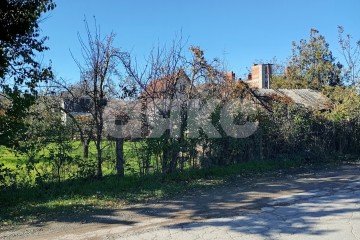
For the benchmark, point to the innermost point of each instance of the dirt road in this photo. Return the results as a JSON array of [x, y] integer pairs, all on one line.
[[323, 205]]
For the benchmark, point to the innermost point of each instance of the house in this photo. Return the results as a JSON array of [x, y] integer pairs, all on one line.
[[76, 107], [172, 86], [259, 83], [157, 98], [307, 98]]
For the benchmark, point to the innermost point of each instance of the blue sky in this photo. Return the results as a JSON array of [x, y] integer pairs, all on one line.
[[238, 31]]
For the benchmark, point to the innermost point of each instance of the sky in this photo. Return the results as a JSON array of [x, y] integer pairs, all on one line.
[[236, 31]]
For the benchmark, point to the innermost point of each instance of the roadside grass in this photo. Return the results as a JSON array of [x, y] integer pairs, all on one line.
[[15, 160], [72, 199]]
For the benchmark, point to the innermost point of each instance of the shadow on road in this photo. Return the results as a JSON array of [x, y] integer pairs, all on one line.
[[268, 207], [265, 207]]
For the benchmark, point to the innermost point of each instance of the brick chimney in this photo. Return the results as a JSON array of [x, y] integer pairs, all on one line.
[[230, 76], [260, 76]]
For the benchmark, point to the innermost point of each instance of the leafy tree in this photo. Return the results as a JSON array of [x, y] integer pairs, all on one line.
[[312, 63], [345, 118], [61, 147], [346, 101], [46, 138], [20, 72]]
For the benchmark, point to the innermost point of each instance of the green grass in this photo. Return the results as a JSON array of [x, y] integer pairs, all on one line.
[[15, 160], [75, 198], [10, 158]]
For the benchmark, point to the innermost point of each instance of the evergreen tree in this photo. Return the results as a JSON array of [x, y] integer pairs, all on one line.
[[312, 63]]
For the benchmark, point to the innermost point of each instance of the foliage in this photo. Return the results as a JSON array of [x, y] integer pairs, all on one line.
[[312, 64], [20, 72], [7, 176], [47, 141], [346, 102], [289, 135]]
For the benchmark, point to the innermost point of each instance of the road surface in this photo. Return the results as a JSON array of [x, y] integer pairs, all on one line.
[[323, 205]]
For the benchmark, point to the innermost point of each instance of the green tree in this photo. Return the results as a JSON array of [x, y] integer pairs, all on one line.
[[47, 138], [20, 72], [312, 63]]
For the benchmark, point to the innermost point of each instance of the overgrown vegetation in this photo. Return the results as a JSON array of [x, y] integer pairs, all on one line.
[[79, 197], [56, 155]]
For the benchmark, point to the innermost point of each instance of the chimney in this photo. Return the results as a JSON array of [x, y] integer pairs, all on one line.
[[260, 76], [230, 76]]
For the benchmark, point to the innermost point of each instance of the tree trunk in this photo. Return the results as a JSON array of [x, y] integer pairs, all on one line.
[[261, 146], [165, 160], [99, 173], [173, 160], [166, 153], [86, 149], [120, 157]]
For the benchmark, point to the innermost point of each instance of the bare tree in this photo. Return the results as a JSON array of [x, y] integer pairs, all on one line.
[[98, 68], [69, 99], [351, 54], [159, 80]]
